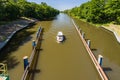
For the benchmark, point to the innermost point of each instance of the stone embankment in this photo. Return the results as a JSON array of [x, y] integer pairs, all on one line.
[[115, 29], [8, 30]]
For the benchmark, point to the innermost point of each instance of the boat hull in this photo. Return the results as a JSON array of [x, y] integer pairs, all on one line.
[[60, 37]]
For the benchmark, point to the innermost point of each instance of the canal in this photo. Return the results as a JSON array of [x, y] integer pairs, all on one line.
[[103, 42], [66, 61]]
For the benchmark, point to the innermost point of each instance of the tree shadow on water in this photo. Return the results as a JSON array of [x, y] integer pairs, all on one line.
[[11, 62], [19, 39], [106, 69]]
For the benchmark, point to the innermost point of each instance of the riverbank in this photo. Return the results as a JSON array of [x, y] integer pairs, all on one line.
[[115, 29], [98, 67], [8, 30], [103, 42]]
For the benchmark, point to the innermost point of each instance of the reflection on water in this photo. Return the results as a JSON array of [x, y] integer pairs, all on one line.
[[66, 61]]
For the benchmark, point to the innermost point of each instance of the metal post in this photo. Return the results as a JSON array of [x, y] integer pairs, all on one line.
[[37, 34], [83, 34], [39, 29], [33, 44], [88, 42], [80, 30], [100, 59], [26, 63]]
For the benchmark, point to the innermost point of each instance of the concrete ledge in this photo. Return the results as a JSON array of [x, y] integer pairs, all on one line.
[[115, 34], [2, 44]]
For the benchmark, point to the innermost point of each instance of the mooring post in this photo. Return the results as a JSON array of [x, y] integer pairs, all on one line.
[[79, 29], [37, 34], [83, 34], [33, 44], [88, 42], [26, 63], [100, 59], [39, 29]]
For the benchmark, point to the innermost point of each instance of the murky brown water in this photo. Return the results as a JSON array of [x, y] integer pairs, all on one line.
[[19, 47], [104, 43], [66, 61]]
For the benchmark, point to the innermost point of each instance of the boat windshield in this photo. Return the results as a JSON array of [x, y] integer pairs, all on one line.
[[60, 35]]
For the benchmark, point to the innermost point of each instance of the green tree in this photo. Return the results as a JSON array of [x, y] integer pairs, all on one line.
[[97, 11], [13, 9]]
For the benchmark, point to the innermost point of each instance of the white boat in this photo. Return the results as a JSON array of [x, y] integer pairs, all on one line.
[[60, 36]]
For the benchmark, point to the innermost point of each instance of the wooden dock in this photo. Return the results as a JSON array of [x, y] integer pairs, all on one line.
[[97, 66], [29, 70]]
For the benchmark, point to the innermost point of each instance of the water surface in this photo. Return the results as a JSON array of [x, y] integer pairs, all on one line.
[[103, 42], [66, 61]]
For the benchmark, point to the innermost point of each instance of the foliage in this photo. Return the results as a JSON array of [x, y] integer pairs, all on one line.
[[13, 9], [97, 11]]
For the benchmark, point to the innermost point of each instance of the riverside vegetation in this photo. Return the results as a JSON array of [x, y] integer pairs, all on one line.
[[14, 9], [98, 11]]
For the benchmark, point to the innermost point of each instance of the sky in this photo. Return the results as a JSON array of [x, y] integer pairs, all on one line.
[[61, 4]]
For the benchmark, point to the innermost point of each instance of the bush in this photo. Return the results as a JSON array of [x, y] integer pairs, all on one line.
[[118, 20]]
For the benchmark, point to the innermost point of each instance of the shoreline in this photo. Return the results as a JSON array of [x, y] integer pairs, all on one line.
[[109, 28], [7, 31], [94, 60], [117, 36]]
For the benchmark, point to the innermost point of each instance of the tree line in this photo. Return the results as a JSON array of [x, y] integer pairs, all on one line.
[[98, 11], [13, 9]]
